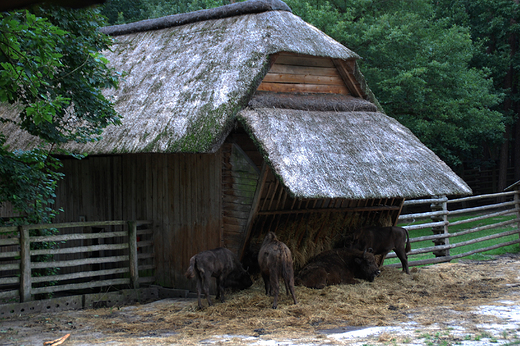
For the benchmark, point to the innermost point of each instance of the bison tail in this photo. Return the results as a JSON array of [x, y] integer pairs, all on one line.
[[408, 247], [190, 273]]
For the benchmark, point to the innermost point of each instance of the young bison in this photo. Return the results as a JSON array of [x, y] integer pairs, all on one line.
[[338, 266], [275, 261], [382, 240], [221, 264]]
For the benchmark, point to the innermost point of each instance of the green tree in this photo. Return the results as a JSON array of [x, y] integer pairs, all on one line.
[[128, 11], [51, 69], [495, 26], [419, 68]]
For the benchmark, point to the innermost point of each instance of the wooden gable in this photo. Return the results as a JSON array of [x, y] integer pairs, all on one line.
[[294, 73]]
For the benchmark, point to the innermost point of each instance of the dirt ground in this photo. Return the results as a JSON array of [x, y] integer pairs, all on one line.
[[466, 303]]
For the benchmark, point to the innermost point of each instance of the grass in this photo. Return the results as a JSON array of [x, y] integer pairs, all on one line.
[[515, 248]]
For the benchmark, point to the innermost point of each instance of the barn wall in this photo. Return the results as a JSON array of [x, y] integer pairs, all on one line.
[[239, 183], [180, 193]]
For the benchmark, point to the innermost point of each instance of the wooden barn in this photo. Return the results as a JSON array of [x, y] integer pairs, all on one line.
[[236, 121]]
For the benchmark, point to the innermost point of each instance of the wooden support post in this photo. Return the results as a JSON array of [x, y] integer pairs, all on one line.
[[25, 264], [254, 209], [517, 207], [132, 254], [441, 206]]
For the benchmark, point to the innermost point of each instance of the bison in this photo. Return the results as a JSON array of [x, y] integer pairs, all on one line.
[[338, 266], [275, 261], [221, 264], [382, 240]]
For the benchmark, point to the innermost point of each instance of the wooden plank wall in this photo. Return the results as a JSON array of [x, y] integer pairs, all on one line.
[[180, 193], [239, 181], [293, 73]]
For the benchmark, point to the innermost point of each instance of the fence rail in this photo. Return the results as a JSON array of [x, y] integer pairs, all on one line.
[[439, 219], [88, 254]]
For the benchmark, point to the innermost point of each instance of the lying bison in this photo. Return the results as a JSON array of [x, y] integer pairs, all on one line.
[[338, 266], [275, 262], [221, 264], [382, 240]]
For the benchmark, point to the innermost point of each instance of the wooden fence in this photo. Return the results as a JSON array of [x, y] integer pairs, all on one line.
[[89, 255], [442, 210]]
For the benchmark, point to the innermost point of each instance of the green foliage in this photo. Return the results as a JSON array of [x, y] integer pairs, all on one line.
[[52, 69], [128, 11], [51, 64], [418, 66], [495, 26], [29, 180]]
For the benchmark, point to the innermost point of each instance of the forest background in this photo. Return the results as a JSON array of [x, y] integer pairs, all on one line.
[[448, 70]]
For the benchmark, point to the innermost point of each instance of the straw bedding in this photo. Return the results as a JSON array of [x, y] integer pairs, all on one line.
[[424, 296]]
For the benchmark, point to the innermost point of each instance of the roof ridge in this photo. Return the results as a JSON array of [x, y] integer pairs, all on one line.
[[236, 9]]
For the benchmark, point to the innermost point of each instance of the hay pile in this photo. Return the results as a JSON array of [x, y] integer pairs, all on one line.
[[392, 297], [307, 235]]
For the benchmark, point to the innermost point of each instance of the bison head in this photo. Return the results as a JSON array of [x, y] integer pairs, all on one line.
[[367, 267], [238, 279]]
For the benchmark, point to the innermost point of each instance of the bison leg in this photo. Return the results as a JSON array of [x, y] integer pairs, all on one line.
[[267, 284], [289, 283], [206, 277], [274, 285], [381, 259], [199, 289], [220, 288], [403, 257]]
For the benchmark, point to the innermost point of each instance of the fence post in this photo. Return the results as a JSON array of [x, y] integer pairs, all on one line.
[[441, 206], [25, 264], [517, 206], [132, 253]]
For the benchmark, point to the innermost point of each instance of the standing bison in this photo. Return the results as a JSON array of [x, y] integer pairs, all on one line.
[[382, 240], [221, 264], [338, 266], [275, 261]]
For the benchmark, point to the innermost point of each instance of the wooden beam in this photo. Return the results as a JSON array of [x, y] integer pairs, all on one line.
[[396, 218], [328, 210], [293, 69], [304, 88], [302, 79], [254, 208], [346, 70], [132, 254], [25, 264], [289, 59]]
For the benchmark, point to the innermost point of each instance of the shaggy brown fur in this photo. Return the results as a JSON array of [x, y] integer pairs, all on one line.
[[382, 240], [338, 266], [221, 264], [275, 261]]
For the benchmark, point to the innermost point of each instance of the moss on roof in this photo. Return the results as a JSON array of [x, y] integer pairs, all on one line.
[[185, 84]]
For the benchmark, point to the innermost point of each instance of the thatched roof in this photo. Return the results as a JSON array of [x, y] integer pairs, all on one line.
[[186, 83], [357, 155], [236, 9], [188, 76]]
